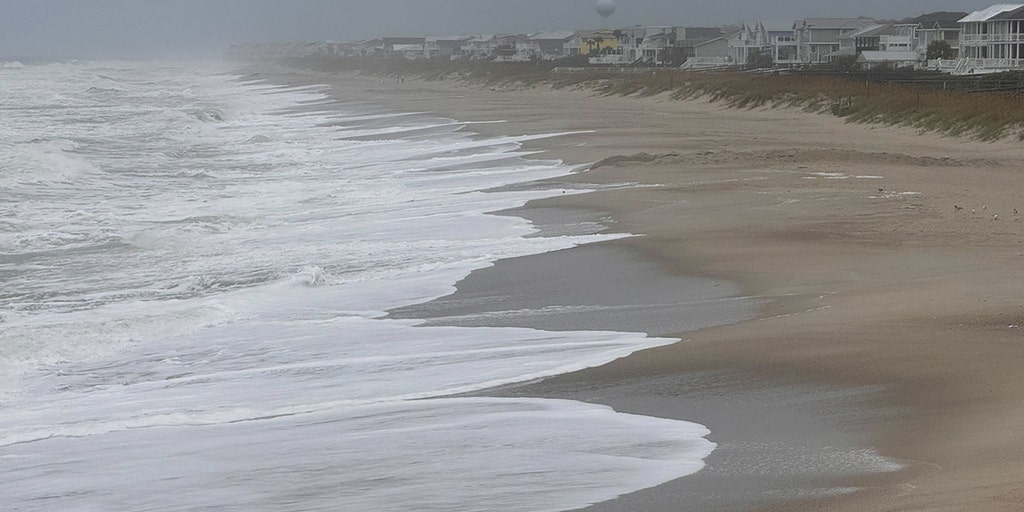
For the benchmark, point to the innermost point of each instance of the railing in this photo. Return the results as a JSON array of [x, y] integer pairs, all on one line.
[[609, 59], [967, 66], [991, 38]]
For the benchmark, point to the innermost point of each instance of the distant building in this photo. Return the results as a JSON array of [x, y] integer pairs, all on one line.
[[938, 26], [445, 47], [604, 46], [886, 38], [880, 44], [718, 48], [776, 39], [817, 39], [479, 46], [992, 39], [688, 39], [406, 47], [514, 48], [552, 45]]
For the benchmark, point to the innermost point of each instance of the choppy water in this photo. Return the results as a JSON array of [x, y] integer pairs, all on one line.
[[193, 275]]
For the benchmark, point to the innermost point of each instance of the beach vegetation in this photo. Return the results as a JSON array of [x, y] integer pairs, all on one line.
[[985, 108], [760, 59], [939, 49]]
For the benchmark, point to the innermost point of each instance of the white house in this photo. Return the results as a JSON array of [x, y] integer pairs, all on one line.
[[818, 38], [888, 43], [992, 40], [478, 47], [774, 38]]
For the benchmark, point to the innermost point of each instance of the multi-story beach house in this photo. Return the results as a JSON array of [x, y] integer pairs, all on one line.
[[992, 39], [407, 47], [603, 42], [444, 47], [513, 48], [817, 39], [876, 45], [938, 26], [479, 46], [776, 39], [890, 37], [687, 39], [552, 45]]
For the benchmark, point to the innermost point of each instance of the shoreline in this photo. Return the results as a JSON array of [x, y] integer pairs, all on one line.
[[877, 281]]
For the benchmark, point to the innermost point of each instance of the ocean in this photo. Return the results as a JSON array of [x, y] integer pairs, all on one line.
[[196, 271]]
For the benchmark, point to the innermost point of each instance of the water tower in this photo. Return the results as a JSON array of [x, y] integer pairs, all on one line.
[[605, 8]]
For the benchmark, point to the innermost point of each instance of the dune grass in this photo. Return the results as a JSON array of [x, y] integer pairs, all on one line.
[[987, 116]]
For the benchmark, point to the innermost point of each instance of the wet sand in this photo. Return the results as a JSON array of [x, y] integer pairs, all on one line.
[[888, 265]]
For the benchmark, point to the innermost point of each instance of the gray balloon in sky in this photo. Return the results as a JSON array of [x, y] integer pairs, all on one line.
[[605, 7]]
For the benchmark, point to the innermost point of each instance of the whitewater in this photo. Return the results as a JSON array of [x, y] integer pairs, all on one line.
[[195, 271]]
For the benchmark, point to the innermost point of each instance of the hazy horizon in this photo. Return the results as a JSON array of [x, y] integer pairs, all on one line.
[[196, 28]]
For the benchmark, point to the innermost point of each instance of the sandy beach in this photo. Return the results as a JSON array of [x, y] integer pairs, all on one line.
[[885, 265]]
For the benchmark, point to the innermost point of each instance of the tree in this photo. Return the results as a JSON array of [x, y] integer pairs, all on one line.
[[760, 59], [939, 49]]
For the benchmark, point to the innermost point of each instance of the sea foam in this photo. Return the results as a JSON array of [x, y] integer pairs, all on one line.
[[196, 274]]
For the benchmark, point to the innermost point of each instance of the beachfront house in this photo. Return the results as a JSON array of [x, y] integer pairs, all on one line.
[[515, 48], [552, 45], [892, 45], [938, 26], [992, 40], [715, 48], [405, 47], [480, 46], [762, 39], [713, 54], [445, 47], [655, 48], [749, 41], [688, 39], [817, 39], [602, 46], [889, 37]]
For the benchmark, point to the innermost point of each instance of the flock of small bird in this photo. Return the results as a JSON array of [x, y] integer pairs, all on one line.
[[956, 207], [995, 216]]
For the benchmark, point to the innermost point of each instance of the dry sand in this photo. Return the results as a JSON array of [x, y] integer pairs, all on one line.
[[890, 260]]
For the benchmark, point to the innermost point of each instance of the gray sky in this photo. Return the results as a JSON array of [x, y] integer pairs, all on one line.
[[182, 28]]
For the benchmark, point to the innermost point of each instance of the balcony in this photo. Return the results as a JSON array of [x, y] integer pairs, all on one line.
[[980, 39]]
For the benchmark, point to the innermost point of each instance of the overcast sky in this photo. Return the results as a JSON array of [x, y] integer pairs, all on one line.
[[182, 28]]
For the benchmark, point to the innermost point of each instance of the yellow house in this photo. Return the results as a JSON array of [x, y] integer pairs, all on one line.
[[596, 42]]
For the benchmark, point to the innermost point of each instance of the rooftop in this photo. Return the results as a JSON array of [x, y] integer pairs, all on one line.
[[940, 19], [834, 23], [556, 35], [1015, 14], [990, 12]]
